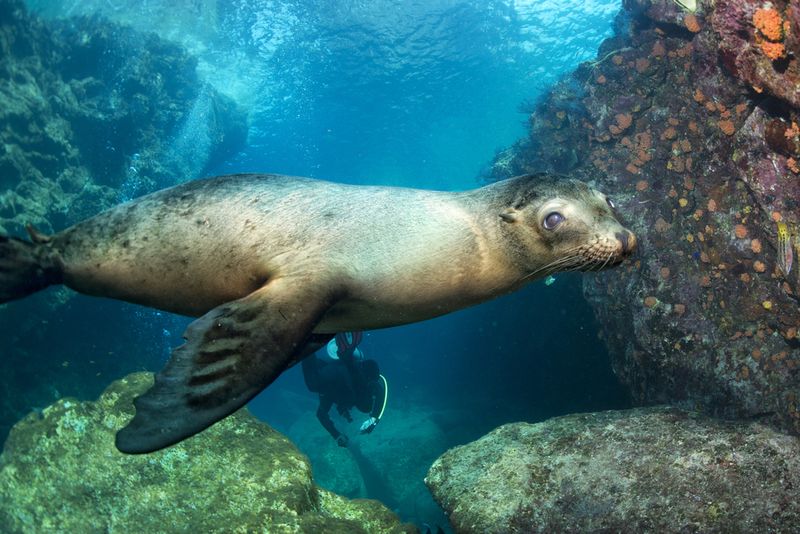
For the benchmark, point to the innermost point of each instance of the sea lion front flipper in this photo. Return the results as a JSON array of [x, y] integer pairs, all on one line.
[[231, 353]]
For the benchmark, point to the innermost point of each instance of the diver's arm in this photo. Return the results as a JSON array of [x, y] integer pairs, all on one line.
[[325, 404]]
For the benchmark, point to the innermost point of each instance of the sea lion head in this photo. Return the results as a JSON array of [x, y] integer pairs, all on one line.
[[560, 224]]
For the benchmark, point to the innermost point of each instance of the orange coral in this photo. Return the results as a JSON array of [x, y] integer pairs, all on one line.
[[624, 121], [792, 131], [769, 26], [691, 23], [699, 97], [774, 51], [770, 23], [644, 140], [727, 127]]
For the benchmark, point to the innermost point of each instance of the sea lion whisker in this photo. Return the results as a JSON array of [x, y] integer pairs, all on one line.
[[545, 268], [608, 259]]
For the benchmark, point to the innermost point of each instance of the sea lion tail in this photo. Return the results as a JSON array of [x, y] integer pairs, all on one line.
[[27, 266]]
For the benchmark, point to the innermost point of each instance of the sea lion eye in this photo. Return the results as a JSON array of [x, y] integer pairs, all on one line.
[[552, 220], [611, 203]]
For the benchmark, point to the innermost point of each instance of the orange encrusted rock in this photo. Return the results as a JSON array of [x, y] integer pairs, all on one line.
[[769, 23], [691, 23], [774, 51], [727, 127]]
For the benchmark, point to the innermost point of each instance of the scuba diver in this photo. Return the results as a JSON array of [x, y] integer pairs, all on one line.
[[346, 379]]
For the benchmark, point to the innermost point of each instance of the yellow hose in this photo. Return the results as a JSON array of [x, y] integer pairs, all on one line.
[[385, 395]]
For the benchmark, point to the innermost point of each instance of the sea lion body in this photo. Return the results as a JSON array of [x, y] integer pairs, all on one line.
[[273, 266], [389, 250]]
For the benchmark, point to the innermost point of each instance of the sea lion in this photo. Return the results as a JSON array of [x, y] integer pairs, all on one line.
[[273, 266]]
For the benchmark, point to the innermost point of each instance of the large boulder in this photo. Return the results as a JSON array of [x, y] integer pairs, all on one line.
[[61, 472], [694, 129], [644, 470]]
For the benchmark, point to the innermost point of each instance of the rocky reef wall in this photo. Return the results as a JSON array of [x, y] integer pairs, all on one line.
[[91, 113], [60, 472], [690, 120]]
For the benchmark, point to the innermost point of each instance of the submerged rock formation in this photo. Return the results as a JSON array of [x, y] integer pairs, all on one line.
[[61, 472], [690, 121], [93, 113], [644, 470]]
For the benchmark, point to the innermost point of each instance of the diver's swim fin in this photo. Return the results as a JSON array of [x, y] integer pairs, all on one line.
[[230, 355]]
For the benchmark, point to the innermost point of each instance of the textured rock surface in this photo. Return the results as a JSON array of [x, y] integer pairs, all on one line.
[[694, 131], [91, 107], [643, 470], [60, 472]]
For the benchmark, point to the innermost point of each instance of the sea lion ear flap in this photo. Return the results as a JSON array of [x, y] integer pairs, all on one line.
[[509, 215]]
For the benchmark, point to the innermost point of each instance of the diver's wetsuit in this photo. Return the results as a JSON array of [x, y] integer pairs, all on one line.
[[344, 384]]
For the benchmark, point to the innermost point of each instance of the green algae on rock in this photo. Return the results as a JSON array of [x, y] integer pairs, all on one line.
[[60, 472], [644, 470]]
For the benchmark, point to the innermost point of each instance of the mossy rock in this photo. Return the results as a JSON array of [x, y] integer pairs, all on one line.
[[60, 472], [644, 470]]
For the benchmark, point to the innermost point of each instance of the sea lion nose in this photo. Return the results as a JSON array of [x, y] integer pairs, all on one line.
[[627, 240]]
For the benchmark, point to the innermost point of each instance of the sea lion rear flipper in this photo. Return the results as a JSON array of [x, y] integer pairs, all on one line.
[[231, 353]]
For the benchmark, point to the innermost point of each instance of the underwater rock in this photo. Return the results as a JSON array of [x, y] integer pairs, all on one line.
[[701, 156], [61, 472], [760, 45], [643, 470], [94, 112]]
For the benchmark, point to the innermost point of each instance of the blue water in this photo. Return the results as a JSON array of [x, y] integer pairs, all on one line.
[[412, 93]]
